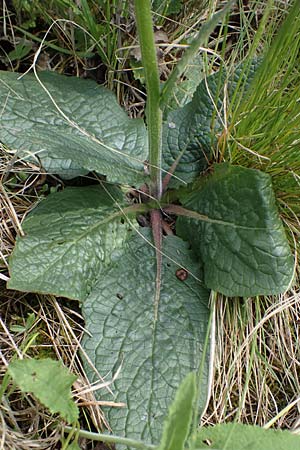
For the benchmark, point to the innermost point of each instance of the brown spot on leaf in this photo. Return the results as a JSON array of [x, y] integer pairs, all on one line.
[[181, 274]]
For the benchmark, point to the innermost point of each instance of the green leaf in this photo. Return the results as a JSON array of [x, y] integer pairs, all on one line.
[[49, 381], [184, 89], [77, 243], [68, 238], [90, 132], [240, 84], [20, 51], [246, 437], [153, 344], [167, 7], [178, 422], [240, 239], [191, 51], [243, 76], [192, 128], [188, 130], [73, 446]]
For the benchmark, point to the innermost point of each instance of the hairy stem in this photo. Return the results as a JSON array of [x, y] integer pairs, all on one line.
[[110, 438], [153, 111]]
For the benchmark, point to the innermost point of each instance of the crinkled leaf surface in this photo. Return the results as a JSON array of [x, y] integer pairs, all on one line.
[[49, 381], [155, 344], [68, 238], [246, 437], [77, 245], [189, 130], [91, 132], [178, 422], [241, 241], [240, 80], [184, 89]]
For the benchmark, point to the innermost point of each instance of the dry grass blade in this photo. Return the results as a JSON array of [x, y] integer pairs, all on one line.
[[257, 370]]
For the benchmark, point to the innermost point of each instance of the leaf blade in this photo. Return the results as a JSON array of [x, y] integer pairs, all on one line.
[[154, 355], [50, 382], [188, 130], [242, 243], [246, 437], [80, 128], [68, 238]]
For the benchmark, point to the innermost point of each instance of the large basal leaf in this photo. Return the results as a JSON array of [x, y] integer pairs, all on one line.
[[189, 130], [241, 241], [245, 437], [90, 133], [77, 243], [68, 238], [154, 345], [50, 382]]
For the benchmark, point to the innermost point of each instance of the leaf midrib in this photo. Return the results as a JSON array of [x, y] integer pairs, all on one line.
[[72, 243], [82, 132], [190, 214]]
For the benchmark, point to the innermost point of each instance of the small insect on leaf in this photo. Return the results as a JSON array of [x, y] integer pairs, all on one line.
[[181, 274]]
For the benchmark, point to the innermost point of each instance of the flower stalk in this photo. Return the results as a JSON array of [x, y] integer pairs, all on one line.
[[153, 111]]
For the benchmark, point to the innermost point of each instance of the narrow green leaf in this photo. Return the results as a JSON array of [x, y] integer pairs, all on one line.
[[245, 437], [68, 238], [206, 29], [178, 422], [155, 345], [81, 129], [50, 382], [73, 446], [240, 81], [167, 7], [240, 240], [20, 51]]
